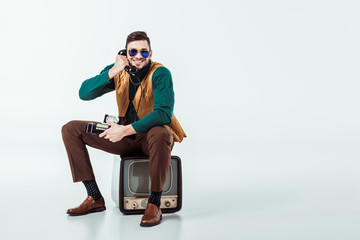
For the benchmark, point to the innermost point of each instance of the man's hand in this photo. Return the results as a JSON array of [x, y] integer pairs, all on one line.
[[117, 132], [120, 63]]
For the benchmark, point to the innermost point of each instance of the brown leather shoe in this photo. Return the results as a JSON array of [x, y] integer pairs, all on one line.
[[152, 216], [88, 206]]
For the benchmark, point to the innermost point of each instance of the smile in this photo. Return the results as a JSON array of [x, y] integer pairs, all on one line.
[[139, 61]]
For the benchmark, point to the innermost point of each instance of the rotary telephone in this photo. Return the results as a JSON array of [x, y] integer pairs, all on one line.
[[130, 69]]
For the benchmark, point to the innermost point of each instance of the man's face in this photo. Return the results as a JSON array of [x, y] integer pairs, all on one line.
[[138, 60]]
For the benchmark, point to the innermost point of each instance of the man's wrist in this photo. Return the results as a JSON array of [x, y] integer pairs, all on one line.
[[129, 130], [111, 73]]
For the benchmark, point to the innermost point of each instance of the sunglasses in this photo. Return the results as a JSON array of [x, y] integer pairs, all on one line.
[[144, 53]]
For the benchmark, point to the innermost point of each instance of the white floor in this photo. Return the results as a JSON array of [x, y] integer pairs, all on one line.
[[279, 197]]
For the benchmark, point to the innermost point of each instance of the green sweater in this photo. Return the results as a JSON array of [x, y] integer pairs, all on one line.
[[162, 90]]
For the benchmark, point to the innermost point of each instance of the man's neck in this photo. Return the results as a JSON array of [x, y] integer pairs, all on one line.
[[142, 72]]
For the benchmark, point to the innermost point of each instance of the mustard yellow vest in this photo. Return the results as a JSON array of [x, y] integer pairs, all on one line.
[[146, 106]]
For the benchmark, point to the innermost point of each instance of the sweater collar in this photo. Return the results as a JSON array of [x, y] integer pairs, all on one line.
[[142, 72]]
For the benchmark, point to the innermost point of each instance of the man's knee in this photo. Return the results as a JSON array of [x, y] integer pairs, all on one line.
[[160, 134], [69, 128]]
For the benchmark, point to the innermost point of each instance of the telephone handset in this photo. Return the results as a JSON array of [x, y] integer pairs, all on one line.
[[130, 69]]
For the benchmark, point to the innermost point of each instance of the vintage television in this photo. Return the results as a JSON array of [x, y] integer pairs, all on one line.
[[131, 185]]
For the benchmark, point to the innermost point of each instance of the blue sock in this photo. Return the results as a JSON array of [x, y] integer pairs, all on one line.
[[155, 198], [92, 189]]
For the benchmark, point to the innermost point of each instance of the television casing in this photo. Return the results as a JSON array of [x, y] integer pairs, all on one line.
[[131, 185]]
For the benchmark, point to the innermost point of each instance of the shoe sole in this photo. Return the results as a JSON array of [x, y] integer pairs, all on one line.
[[99, 209], [151, 224]]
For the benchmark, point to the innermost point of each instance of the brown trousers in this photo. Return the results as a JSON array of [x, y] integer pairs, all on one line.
[[157, 143]]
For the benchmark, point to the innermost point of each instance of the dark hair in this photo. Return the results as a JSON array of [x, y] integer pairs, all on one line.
[[136, 36]]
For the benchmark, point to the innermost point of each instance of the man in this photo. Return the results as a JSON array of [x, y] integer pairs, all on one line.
[[146, 101]]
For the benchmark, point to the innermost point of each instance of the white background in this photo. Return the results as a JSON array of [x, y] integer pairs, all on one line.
[[267, 92]]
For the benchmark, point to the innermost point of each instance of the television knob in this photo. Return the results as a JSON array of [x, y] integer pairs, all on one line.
[[134, 204], [167, 204]]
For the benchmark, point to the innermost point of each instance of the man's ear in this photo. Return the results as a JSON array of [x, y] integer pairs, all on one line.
[[150, 54]]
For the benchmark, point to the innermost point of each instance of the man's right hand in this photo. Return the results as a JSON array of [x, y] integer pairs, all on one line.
[[120, 63]]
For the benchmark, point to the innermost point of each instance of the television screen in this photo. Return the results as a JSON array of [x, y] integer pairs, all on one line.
[[139, 178]]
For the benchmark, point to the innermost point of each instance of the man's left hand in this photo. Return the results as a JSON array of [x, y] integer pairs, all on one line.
[[117, 132]]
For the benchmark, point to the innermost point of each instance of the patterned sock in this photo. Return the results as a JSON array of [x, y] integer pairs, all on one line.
[[92, 189], [155, 198]]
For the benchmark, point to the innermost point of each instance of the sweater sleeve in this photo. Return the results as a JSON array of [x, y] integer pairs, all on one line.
[[163, 102], [97, 86]]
